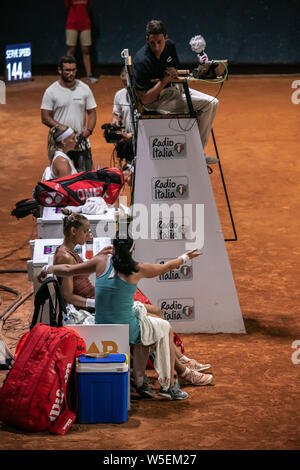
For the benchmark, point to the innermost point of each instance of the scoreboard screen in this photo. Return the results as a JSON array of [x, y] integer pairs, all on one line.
[[18, 62]]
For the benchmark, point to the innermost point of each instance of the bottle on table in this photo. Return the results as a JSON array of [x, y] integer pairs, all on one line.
[[89, 248]]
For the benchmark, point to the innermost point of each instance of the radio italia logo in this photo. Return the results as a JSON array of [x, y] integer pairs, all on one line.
[[172, 229], [178, 309], [167, 147], [171, 187], [183, 273]]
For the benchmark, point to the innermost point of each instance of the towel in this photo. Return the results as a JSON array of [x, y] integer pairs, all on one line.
[[78, 317], [94, 205], [156, 330]]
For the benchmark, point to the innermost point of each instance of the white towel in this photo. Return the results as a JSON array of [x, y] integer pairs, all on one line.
[[94, 205], [156, 330], [78, 317]]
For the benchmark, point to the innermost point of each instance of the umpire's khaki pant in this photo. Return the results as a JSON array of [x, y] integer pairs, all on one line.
[[172, 100]]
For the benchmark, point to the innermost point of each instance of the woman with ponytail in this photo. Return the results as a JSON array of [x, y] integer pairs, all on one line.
[[77, 290], [61, 140], [116, 284]]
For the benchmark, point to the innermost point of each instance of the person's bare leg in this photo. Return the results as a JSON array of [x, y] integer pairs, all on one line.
[[172, 357], [179, 367], [140, 358], [86, 60], [71, 50], [178, 353], [154, 310]]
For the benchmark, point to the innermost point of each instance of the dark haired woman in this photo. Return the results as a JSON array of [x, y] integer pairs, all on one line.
[[78, 290], [116, 283]]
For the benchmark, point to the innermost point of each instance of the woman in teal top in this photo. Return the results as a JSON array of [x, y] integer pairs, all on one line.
[[114, 302], [116, 283]]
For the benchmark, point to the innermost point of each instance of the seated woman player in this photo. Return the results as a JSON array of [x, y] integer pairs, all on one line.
[[61, 140], [78, 290], [116, 284]]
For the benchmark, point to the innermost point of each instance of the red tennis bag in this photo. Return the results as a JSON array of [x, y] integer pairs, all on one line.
[[74, 190], [139, 296], [39, 391]]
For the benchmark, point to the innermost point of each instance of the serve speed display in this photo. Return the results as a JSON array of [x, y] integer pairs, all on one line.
[[18, 62]]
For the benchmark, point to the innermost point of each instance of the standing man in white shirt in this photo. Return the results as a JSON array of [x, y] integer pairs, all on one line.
[[70, 102]]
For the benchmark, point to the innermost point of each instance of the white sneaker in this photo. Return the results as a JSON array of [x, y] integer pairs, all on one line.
[[195, 365], [92, 79], [210, 160], [195, 378]]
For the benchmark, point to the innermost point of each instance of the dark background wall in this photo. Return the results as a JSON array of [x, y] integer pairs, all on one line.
[[256, 32]]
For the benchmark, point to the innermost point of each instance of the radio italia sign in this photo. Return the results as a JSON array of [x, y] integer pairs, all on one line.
[[166, 229], [183, 273], [170, 188], [167, 147], [177, 309]]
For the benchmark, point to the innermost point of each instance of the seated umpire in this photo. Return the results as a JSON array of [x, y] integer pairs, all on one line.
[[158, 59]]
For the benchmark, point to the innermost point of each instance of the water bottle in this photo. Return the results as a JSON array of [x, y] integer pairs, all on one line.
[[89, 252], [66, 320]]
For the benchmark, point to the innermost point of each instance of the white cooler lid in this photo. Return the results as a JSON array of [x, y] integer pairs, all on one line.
[[101, 367]]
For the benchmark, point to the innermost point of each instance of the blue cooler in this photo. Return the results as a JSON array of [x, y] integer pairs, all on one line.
[[102, 389]]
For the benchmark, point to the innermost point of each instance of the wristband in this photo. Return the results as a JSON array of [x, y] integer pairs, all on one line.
[[90, 303], [45, 268], [185, 258]]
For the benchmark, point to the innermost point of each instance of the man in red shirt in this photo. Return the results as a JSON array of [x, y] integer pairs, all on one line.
[[79, 24]]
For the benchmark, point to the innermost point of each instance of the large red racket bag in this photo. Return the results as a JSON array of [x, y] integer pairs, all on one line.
[[74, 190], [39, 392]]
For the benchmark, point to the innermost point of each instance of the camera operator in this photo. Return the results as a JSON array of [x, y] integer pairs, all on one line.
[[121, 109], [158, 59], [121, 117], [116, 135]]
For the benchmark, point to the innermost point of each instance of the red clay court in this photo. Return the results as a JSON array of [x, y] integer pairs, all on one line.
[[254, 400]]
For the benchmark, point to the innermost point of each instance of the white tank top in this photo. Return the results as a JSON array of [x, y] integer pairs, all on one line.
[[49, 174]]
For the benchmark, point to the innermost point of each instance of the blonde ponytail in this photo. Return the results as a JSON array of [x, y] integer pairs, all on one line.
[[71, 219], [54, 133]]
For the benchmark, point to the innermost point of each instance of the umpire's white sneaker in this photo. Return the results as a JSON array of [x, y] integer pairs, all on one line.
[[210, 160]]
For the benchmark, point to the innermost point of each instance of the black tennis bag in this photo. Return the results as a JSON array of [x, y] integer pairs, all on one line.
[[49, 304], [26, 207]]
